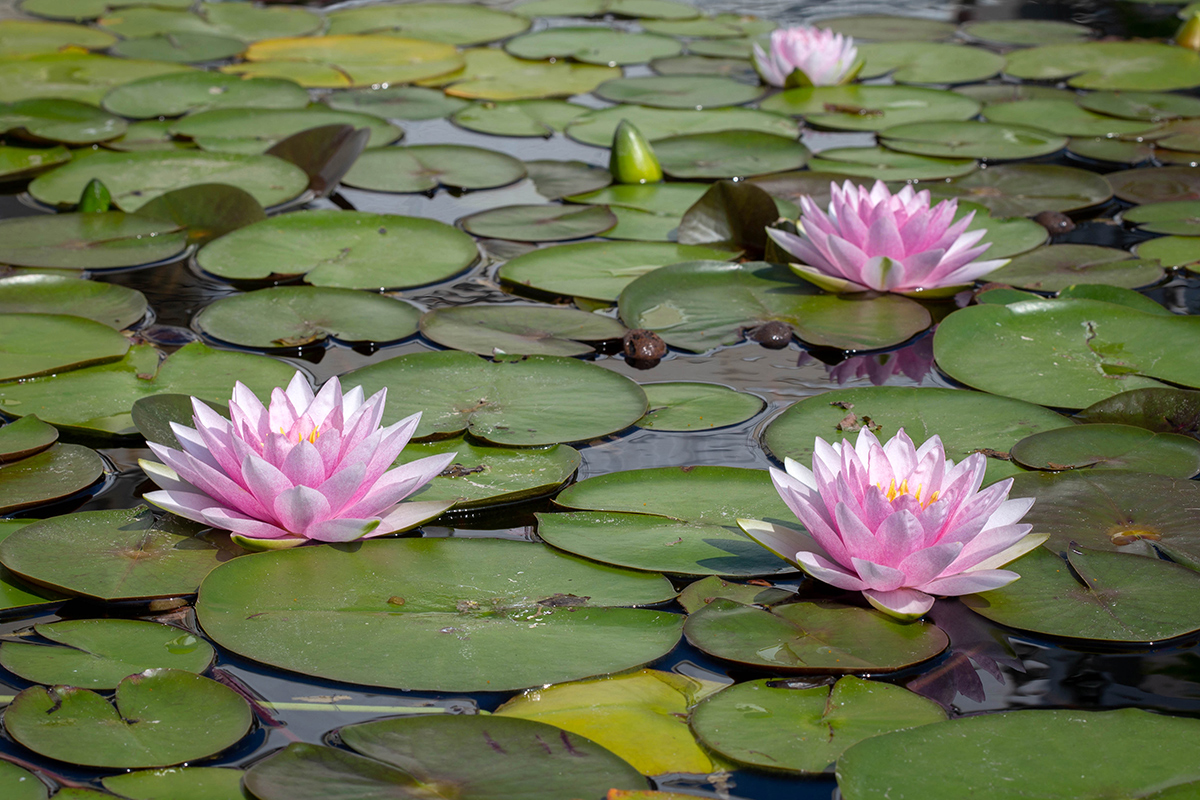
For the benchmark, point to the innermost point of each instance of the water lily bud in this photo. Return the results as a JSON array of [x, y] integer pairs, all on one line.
[[1189, 33], [633, 159], [807, 56], [95, 198]]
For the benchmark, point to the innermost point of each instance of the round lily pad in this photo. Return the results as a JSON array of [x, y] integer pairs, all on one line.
[[593, 45], [37, 344], [888, 165], [25, 437], [721, 48], [698, 594], [699, 305], [1066, 353], [1114, 150], [471, 757], [424, 603], [24, 162], [1165, 410], [182, 48], [73, 75], [421, 168], [870, 108], [136, 178], [161, 717], [1027, 189], [642, 9], [519, 329], [524, 401], [148, 135], [1055, 267], [643, 226], [1078, 754], [729, 154], [556, 179], [348, 60], [925, 62], [1172, 251], [255, 130], [518, 117], [1063, 117], [995, 93], [737, 68], [1146, 106], [966, 422], [744, 722], [597, 127], [716, 26], [187, 783], [434, 22], [1179, 217], [294, 316], [20, 38], [44, 477], [88, 241], [690, 406], [243, 21], [1157, 185], [492, 74], [548, 223], [1140, 66], [16, 593], [1007, 236], [21, 784], [396, 102], [987, 140], [64, 121], [679, 91], [1027, 32], [1109, 446], [341, 249], [887, 28], [821, 637], [100, 653], [116, 306]]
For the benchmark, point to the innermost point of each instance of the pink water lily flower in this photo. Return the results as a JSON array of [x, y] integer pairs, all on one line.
[[898, 523], [876, 240], [307, 468], [807, 56]]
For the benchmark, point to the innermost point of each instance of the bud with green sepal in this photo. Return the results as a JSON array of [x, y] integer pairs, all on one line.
[[633, 159], [95, 198]]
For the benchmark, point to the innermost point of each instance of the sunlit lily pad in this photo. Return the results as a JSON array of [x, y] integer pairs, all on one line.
[[492, 74], [421, 168], [52, 474], [1145, 66], [593, 45], [597, 126], [1155, 185], [689, 406], [434, 22], [820, 637], [647, 9], [148, 135], [539, 223], [1163, 410], [698, 594], [1089, 594], [1027, 189], [699, 305], [57, 120], [1109, 446], [424, 602], [88, 241], [254, 130], [81, 10], [737, 68], [1007, 236], [1172, 251], [136, 178], [519, 329], [729, 154], [187, 783], [1052, 268], [396, 102], [162, 717], [888, 165], [116, 306], [1067, 353], [988, 140], [966, 422], [182, 48], [1027, 32], [25, 437], [679, 91], [715, 27], [771, 725], [870, 108], [886, 28], [722, 48], [924, 62], [1147, 106], [243, 21], [16, 593], [75, 76], [24, 162], [349, 60], [524, 401], [1078, 754], [21, 38], [293, 316], [342, 249], [519, 117], [557, 179], [100, 653], [37, 344], [470, 757], [1063, 117], [643, 226]]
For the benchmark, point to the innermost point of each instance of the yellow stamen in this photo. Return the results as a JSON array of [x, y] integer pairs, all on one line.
[[894, 491]]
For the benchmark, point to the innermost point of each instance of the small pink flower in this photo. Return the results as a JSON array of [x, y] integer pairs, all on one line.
[[898, 523], [876, 240], [306, 468], [807, 56]]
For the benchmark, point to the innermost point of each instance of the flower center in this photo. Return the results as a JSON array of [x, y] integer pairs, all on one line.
[[894, 491]]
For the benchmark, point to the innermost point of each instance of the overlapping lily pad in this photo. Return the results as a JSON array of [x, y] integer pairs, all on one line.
[[243, 21], [1027, 189], [88, 241], [987, 140], [1007, 236], [37, 344], [16, 593], [539, 223], [888, 165], [44, 477], [887, 28], [183, 48], [518, 117], [348, 60], [1027, 32], [1146, 106], [689, 406], [1067, 353], [593, 45], [23, 162], [421, 168], [21, 38], [396, 102], [924, 62], [729, 154], [1110, 446], [679, 91], [524, 401], [642, 9], [1065, 118], [519, 329], [557, 179], [1179, 217], [529, 616], [1156, 185], [1164, 410], [116, 306], [434, 22], [1140, 66], [342, 249], [870, 108], [56, 120], [738, 68], [243, 130], [186, 783], [597, 127], [1053, 268], [25, 437], [492, 74], [75, 76], [21, 784]]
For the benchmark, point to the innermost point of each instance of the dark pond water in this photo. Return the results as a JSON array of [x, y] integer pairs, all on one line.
[[1029, 672]]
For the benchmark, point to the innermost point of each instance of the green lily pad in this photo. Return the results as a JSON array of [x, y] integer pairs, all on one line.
[[1027, 189], [25, 162], [148, 135], [1008, 236], [643, 226], [206, 210], [1139, 66], [396, 102], [519, 329], [690, 406], [1109, 446], [182, 48], [597, 126], [342, 249], [642, 9], [1162, 410], [593, 45], [16, 593], [679, 91], [1094, 595], [924, 62], [1027, 32], [134, 179], [987, 140], [37, 344], [74, 76], [887, 28], [20, 38], [21, 784], [102, 240], [420, 168], [112, 555], [1179, 217], [1066, 353], [557, 179], [821, 637], [1157, 185], [722, 48], [539, 223], [1063, 117], [711, 303], [423, 603], [1110, 294], [870, 108], [495, 400], [729, 154], [184, 92], [100, 653], [81, 10], [727, 67], [98, 399], [255, 130], [596, 270], [25, 437], [743, 722], [153, 416], [434, 22], [294, 316], [350, 60], [470, 757], [482, 476], [716, 27], [1172, 251], [244, 21], [888, 165], [62, 121], [698, 594], [966, 422], [995, 93], [162, 717], [1113, 150], [116, 306], [673, 198], [1079, 754], [188, 783], [492, 74], [1146, 106], [518, 117], [1055, 267], [52, 474]]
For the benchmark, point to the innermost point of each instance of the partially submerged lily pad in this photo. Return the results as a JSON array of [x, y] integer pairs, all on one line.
[[420, 168], [1157, 185], [519, 329], [1163, 410], [557, 179], [1027, 32], [492, 74], [1110, 446], [1178, 217], [641, 9]]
